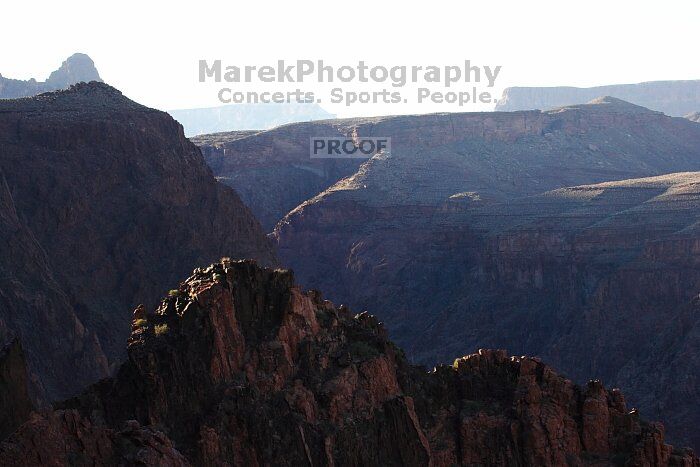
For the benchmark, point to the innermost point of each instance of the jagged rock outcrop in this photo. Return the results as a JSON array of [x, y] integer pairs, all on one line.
[[675, 98], [103, 202], [15, 403], [239, 367], [75, 69]]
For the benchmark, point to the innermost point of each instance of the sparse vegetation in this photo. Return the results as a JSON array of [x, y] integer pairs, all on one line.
[[161, 329], [139, 323], [174, 293]]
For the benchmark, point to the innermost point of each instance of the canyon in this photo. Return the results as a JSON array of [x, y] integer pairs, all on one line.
[[569, 234], [238, 366]]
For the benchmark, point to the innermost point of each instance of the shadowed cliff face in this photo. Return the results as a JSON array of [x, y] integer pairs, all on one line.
[[75, 69], [239, 367], [64, 355], [104, 203], [451, 241], [15, 404]]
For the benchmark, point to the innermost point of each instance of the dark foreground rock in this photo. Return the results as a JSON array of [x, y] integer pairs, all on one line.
[[239, 367]]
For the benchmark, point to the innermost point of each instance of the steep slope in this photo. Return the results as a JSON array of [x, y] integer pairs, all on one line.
[[105, 202], [239, 367], [75, 69], [675, 98]]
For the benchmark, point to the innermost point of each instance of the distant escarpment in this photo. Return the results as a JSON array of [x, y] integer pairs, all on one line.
[[76, 69], [103, 202], [497, 154], [675, 98], [246, 117], [237, 366], [466, 235]]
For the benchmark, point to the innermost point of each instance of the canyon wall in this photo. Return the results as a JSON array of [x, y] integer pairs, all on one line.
[[96, 191]]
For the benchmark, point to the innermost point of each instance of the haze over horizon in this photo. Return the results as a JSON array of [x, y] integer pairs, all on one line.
[[155, 59]]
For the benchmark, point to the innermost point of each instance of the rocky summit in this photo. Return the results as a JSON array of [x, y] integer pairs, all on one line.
[[103, 203], [238, 366], [75, 69], [547, 233]]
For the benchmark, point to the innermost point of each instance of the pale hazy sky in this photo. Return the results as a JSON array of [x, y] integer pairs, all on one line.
[[150, 49]]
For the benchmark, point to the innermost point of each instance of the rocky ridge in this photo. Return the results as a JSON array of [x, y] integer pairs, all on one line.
[[239, 367]]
